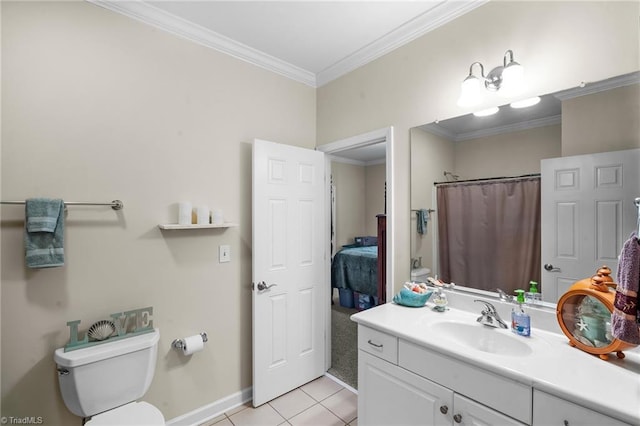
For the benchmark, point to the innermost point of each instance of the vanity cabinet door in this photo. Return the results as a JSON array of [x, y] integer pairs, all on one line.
[[469, 413], [549, 410], [390, 395]]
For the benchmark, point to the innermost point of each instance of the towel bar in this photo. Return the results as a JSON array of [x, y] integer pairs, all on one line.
[[115, 204]]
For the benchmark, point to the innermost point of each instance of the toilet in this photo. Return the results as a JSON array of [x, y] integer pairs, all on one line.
[[102, 383], [420, 275]]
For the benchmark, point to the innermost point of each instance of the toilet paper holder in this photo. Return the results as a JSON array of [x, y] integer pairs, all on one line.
[[179, 343]]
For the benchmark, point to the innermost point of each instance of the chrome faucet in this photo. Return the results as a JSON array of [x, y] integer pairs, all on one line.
[[505, 297], [489, 316]]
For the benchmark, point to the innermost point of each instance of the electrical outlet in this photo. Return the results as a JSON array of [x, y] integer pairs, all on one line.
[[224, 253]]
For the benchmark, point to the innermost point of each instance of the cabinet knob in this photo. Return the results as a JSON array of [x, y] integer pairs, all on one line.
[[457, 418], [566, 423], [444, 409]]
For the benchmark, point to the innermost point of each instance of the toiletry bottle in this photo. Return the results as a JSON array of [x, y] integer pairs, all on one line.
[[533, 297], [520, 320]]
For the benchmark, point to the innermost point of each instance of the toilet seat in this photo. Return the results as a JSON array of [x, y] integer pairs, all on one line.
[[133, 413]]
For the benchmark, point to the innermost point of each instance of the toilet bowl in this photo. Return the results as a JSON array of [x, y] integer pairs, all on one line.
[[102, 383]]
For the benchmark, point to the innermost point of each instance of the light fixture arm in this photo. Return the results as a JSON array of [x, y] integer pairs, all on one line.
[[481, 69], [504, 58]]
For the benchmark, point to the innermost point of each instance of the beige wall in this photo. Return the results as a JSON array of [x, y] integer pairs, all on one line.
[[359, 198], [419, 82], [349, 181], [605, 121], [375, 177], [97, 106], [508, 154]]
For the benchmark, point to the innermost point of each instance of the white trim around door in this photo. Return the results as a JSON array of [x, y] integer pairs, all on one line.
[[374, 137]]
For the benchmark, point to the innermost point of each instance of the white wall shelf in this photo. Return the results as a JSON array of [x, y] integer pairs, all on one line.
[[175, 226]]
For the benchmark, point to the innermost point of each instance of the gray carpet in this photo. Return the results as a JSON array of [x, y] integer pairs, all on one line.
[[344, 345]]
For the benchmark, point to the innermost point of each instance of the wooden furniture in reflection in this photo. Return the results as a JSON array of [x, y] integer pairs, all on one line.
[[382, 258]]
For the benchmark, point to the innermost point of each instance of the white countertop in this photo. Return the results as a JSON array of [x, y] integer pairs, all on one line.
[[611, 387]]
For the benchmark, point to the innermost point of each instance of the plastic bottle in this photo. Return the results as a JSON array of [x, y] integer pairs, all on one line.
[[533, 297], [520, 320]]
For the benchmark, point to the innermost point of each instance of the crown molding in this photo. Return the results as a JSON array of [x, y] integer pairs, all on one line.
[[600, 86], [516, 127], [429, 21], [165, 21], [151, 15], [438, 131], [483, 133]]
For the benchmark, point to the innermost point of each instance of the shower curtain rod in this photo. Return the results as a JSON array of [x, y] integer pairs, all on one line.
[[489, 179], [115, 204]]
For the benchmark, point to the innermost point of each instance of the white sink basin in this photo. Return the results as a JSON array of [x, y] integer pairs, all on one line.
[[481, 337]]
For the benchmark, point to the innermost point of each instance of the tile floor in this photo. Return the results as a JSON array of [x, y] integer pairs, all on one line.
[[322, 402]]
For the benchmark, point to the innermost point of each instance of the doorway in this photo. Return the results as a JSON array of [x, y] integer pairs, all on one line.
[[373, 149]]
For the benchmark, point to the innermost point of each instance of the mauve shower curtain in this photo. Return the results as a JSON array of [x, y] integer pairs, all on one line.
[[489, 233]]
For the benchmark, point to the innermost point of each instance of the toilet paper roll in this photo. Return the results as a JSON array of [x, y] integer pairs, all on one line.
[[192, 344], [184, 213]]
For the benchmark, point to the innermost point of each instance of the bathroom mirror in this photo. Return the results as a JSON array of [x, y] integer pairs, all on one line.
[[512, 143]]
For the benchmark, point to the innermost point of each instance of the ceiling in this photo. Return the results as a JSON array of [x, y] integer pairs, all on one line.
[[313, 42]]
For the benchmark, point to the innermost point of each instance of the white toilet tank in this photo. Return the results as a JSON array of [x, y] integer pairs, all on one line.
[[108, 375]]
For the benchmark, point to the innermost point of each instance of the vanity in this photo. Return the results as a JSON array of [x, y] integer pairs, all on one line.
[[417, 366]]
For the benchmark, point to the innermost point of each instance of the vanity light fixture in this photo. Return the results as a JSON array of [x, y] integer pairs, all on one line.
[[506, 79], [526, 102]]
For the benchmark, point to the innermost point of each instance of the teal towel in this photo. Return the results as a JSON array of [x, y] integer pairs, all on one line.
[[44, 233], [422, 219]]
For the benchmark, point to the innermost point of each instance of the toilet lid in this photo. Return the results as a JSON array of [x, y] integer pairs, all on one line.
[[134, 414]]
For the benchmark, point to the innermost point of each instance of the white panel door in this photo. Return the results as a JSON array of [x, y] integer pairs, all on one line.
[[289, 293], [587, 214]]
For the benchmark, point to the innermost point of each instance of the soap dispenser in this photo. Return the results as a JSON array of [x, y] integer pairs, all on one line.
[[533, 296], [520, 320]]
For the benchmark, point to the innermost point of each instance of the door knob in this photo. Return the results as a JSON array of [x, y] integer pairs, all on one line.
[[549, 267], [263, 286]]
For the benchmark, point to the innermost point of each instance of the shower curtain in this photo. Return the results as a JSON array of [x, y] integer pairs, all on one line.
[[489, 233]]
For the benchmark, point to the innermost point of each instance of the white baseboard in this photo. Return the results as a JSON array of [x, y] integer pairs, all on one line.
[[213, 410], [221, 406]]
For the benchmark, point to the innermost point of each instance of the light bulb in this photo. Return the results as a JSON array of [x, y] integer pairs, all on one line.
[[486, 112], [470, 91], [512, 79], [526, 102]]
